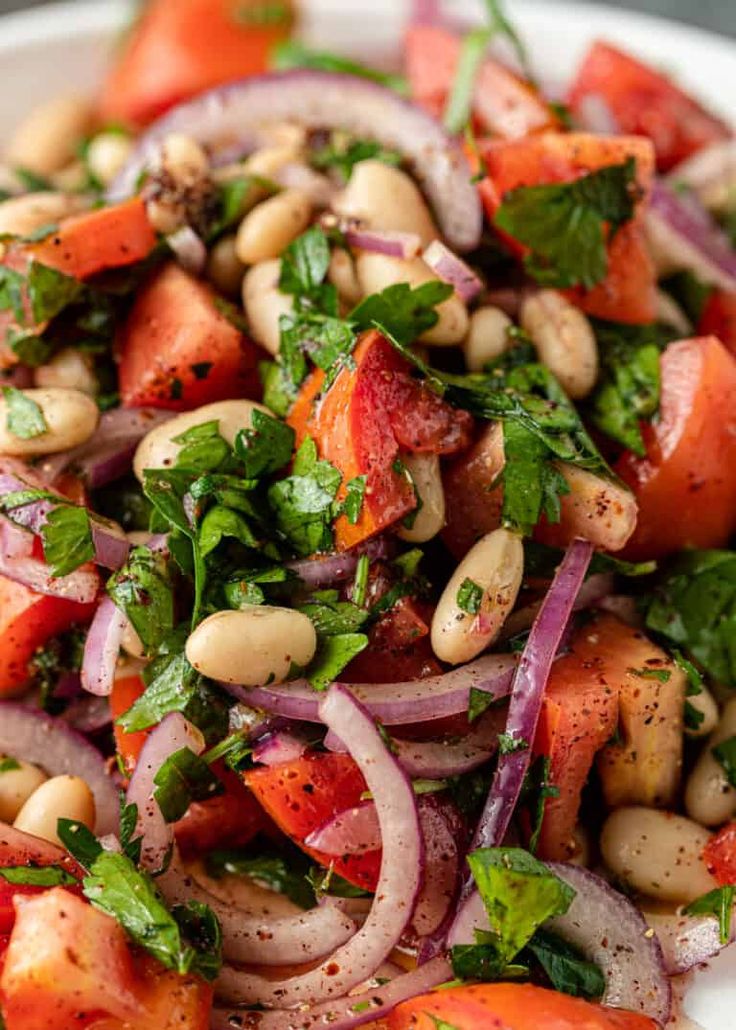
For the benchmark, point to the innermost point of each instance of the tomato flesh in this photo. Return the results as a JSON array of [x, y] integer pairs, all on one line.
[[719, 318], [720, 855]]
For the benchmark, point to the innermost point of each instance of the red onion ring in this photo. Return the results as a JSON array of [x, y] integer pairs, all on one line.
[[453, 270], [398, 885], [18, 564], [279, 746], [39, 738], [392, 244], [102, 647], [349, 1012], [336, 568], [88, 714], [188, 249], [323, 100], [171, 735], [687, 941], [710, 172], [393, 704], [527, 692]]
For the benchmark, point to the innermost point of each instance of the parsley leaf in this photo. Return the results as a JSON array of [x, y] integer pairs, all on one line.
[[469, 597], [568, 971], [8, 764], [265, 447], [269, 870], [333, 654], [24, 418], [536, 791], [35, 876], [460, 100], [144, 591], [343, 153], [67, 539], [718, 903], [402, 311], [292, 54], [353, 503], [567, 225], [304, 501], [183, 778]]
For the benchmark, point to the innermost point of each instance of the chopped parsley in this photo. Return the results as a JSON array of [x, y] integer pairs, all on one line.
[[343, 153], [565, 967], [183, 778], [24, 417], [143, 589], [37, 876], [469, 597], [460, 101], [718, 903], [8, 764], [67, 539]]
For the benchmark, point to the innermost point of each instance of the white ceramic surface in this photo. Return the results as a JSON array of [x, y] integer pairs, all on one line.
[[65, 47]]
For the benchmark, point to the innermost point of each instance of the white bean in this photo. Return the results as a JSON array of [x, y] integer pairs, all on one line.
[[377, 271], [270, 227], [224, 269], [705, 705], [488, 337], [62, 797], [657, 853], [382, 197], [47, 138], [597, 509], [429, 520], [181, 183], [69, 369], [16, 786], [23, 215], [343, 276], [71, 418], [564, 340], [496, 565], [264, 304], [158, 448], [709, 797], [106, 155], [257, 644], [183, 159], [268, 162]]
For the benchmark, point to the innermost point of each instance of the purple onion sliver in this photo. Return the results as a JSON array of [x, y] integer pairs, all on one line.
[[102, 647], [88, 714], [393, 244], [18, 564], [188, 249], [278, 747], [112, 547], [453, 270], [686, 941]]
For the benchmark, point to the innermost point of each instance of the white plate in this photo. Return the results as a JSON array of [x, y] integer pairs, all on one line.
[[65, 46]]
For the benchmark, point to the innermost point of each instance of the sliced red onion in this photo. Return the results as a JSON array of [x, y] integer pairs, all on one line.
[[323, 100], [710, 173], [88, 714], [171, 735], [328, 569], [261, 937], [18, 564], [102, 647], [686, 941], [112, 547], [352, 832], [351, 1011], [392, 244], [188, 249], [684, 236], [453, 270], [49, 742], [279, 746], [527, 693], [399, 882], [393, 704]]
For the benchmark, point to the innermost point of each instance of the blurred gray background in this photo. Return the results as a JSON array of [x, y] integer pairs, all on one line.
[[717, 15]]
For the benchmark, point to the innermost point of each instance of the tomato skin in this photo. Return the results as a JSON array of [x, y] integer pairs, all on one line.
[[369, 413], [229, 820], [176, 50], [19, 849], [719, 318], [554, 157], [644, 102], [125, 692], [27, 621], [511, 1006], [302, 795], [169, 1001], [177, 351], [720, 855], [504, 105], [686, 485]]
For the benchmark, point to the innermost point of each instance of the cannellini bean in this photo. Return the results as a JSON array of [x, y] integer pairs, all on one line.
[[69, 369], [382, 197], [597, 509], [62, 797], [257, 644], [23, 215], [224, 269], [377, 271], [264, 304], [180, 184], [488, 337], [496, 565], [709, 797], [343, 276], [183, 159], [158, 448], [705, 704], [564, 340], [16, 786], [270, 227], [47, 138], [429, 520], [106, 155], [268, 162], [71, 418], [657, 853]]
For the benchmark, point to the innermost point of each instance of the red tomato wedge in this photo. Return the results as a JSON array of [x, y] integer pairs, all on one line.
[[168, 1001], [125, 692], [301, 796], [19, 849], [505, 105], [27, 621], [554, 157], [179, 351], [686, 485], [373, 410], [510, 1006], [720, 855], [643, 101], [719, 318], [229, 820], [178, 49]]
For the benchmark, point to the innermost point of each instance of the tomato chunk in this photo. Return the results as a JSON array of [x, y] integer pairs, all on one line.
[[504, 105], [27, 621], [645, 102], [720, 855], [176, 50], [511, 1006], [302, 795], [168, 1001], [554, 157], [371, 412], [125, 692], [686, 485], [178, 351], [229, 820], [20, 849], [719, 318]]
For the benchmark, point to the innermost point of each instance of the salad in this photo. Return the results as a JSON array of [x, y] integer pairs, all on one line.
[[367, 485]]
